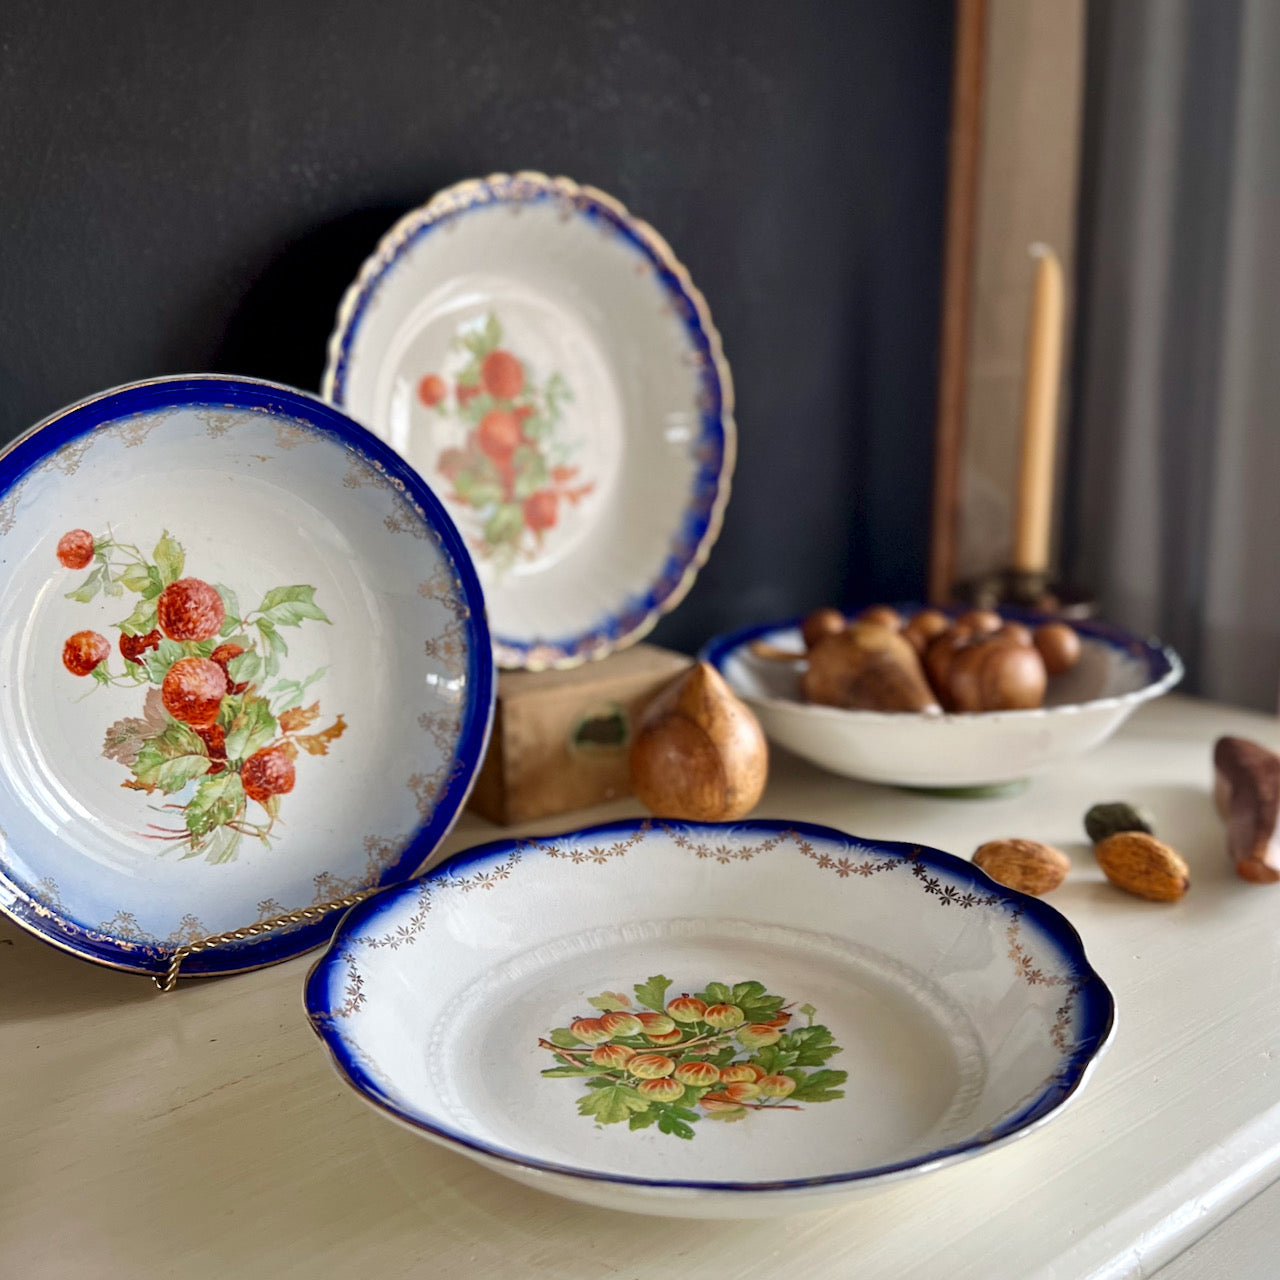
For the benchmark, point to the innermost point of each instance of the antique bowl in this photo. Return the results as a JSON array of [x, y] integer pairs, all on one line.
[[1116, 673], [246, 671], [543, 359], [710, 1020]]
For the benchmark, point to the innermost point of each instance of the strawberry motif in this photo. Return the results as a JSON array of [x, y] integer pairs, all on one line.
[[190, 609], [193, 690], [75, 549], [267, 773], [84, 651]]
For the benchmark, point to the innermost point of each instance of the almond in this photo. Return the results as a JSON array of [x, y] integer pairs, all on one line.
[[1139, 863], [1023, 865]]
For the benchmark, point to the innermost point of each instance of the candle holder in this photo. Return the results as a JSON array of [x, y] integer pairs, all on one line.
[[1027, 590]]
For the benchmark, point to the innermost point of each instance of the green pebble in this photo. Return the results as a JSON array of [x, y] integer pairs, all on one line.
[[1105, 820]]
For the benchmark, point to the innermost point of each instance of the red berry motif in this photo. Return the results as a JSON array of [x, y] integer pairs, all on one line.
[[741, 1072], [540, 510], [193, 690], [266, 774], [504, 451], [75, 549], [502, 375], [499, 434], [222, 655], [431, 390], [84, 651], [134, 647], [202, 745], [190, 609]]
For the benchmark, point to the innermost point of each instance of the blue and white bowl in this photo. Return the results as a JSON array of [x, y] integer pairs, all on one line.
[[544, 360], [1117, 672], [246, 671], [710, 1020]]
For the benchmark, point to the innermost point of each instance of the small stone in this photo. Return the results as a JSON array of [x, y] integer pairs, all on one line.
[[1105, 820]]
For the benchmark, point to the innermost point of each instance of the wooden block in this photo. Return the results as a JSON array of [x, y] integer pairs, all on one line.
[[560, 738]]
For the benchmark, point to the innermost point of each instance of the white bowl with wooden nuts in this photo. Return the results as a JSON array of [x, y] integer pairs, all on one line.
[[925, 698]]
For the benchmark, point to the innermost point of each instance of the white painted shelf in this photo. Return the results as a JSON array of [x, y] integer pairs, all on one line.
[[203, 1133]]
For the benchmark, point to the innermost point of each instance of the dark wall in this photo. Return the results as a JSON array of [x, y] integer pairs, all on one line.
[[190, 187]]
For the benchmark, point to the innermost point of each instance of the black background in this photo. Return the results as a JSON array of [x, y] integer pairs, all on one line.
[[191, 187]]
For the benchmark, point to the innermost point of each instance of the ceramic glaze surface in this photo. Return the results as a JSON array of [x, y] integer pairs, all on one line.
[[558, 1009], [1083, 707], [544, 361], [245, 670]]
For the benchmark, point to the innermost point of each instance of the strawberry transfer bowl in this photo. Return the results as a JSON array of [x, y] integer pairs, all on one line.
[[710, 1020], [546, 363], [246, 671]]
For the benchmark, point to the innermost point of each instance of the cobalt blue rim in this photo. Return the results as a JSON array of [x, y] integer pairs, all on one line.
[[1096, 1028], [1163, 666], [716, 446], [59, 429]]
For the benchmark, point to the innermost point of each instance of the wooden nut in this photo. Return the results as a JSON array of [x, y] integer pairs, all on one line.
[[882, 615], [1142, 865], [1059, 646], [699, 752], [1023, 865], [924, 627], [981, 621], [820, 623], [867, 668], [997, 675]]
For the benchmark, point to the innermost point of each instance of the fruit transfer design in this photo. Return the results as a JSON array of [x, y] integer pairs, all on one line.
[[717, 1055], [512, 469], [220, 729]]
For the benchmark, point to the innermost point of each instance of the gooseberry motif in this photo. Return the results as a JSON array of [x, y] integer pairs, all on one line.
[[649, 1066], [701, 1075], [589, 1030], [686, 1009], [621, 1024], [778, 1086], [723, 1016], [757, 1035], [612, 1055], [712, 1060], [663, 1089]]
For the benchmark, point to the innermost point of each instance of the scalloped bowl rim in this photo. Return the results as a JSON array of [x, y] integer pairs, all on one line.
[[1099, 1018]]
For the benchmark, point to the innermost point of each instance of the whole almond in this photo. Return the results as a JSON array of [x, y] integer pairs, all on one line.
[[1141, 864], [1023, 865]]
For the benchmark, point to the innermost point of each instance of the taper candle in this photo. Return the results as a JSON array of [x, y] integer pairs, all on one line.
[[1040, 416]]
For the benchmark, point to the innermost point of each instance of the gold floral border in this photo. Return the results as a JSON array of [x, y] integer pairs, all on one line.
[[600, 853]]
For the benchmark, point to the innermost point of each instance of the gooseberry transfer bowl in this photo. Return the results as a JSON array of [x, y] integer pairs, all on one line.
[[543, 359], [1117, 672], [710, 1020], [246, 671]]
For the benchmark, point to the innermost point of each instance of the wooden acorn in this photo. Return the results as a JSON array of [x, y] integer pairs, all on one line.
[[1246, 791], [699, 753], [867, 667]]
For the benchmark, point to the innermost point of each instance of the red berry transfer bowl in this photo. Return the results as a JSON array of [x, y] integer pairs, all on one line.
[[543, 359], [710, 1021], [246, 671]]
